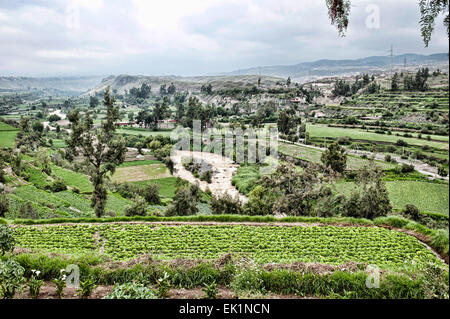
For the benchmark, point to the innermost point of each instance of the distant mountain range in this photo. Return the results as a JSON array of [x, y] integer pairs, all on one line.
[[339, 67], [51, 85]]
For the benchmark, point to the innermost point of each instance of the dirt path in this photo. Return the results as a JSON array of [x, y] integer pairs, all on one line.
[[222, 173]]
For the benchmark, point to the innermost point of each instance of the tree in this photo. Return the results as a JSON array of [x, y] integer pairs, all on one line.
[[288, 81], [4, 205], [370, 198], [54, 118], [160, 111], [101, 149], [394, 82], [339, 11], [93, 101], [28, 137], [226, 204], [162, 89], [335, 158], [341, 88], [171, 89], [184, 202]]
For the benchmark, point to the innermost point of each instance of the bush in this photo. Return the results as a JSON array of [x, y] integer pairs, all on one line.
[[151, 193], [6, 239], [442, 171], [225, 204], [407, 168], [401, 143], [412, 211], [86, 288], [58, 186], [184, 202], [11, 278], [131, 291], [4, 205], [139, 207]]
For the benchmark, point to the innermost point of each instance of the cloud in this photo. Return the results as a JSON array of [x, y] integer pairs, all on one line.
[[53, 37]]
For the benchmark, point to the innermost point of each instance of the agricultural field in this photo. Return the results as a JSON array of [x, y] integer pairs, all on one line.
[[7, 135], [358, 134], [264, 244], [139, 173], [428, 197]]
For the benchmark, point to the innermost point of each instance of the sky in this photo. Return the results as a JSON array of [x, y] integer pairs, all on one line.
[[196, 37]]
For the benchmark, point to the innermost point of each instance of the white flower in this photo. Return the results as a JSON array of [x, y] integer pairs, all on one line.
[[38, 272]]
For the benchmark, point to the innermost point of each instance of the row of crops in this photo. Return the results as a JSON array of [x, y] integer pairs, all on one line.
[[265, 244]]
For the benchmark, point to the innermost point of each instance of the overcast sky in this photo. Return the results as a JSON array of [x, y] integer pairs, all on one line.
[[196, 37]]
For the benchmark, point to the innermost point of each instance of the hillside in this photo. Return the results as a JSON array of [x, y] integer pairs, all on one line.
[[340, 67], [51, 85], [126, 82]]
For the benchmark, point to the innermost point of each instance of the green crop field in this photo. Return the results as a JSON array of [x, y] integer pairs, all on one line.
[[138, 163], [7, 138], [359, 134], [73, 179], [167, 186], [143, 132], [140, 173], [428, 197], [265, 244]]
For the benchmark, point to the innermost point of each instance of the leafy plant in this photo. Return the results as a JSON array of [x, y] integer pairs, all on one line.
[[60, 283], [11, 278], [131, 291], [211, 291], [164, 286], [35, 284], [86, 288], [6, 239]]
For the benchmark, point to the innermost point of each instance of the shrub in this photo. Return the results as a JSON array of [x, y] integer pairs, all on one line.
[[6, 239], [4, 205], [139, 207], [442, 171], [401, 143], [131, 291], [11, 278], [86, 288], [58, 186], [407, 168], [334, 157], [412, 211], [184, 202], [151, 193], [60, 283], [210, 291], [225, 204], [164, 286]]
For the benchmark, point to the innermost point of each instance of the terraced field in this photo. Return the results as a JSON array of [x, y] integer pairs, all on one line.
[[265, 244], [313, 155], [428, 197], [8, 134], [359, 134]]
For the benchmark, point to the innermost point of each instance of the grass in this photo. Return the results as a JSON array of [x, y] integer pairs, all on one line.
[[137, 163], [427, 197], [358, 134], [167, 186], [313, 155], [143, 132], [8, 135], [7, 138], [73, 179], [246, 177], [140, 173]]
